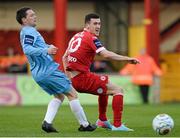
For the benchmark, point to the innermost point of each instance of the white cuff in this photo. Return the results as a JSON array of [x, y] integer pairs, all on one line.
[[100, 49]]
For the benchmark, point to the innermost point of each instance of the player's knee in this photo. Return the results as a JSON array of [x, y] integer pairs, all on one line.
[[118, 91], [71, 95], [60, 97]]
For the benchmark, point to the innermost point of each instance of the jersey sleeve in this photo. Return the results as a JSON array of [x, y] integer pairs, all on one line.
[[97, 45], [28, 43]]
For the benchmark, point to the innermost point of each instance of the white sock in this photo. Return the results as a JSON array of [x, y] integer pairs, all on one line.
[[77, 109], [52, 109]]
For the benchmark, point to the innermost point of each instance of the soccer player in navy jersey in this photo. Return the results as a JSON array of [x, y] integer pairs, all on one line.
[[77, 60], [45, 72]]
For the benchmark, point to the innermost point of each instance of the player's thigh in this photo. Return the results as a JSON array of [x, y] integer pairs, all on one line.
[[113, 88], [59, 96], [90, 83]]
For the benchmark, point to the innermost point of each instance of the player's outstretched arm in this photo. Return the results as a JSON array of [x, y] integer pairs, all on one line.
[[113, 56]]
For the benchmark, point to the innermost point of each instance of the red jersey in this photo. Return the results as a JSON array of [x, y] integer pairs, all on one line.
[[81, 51]]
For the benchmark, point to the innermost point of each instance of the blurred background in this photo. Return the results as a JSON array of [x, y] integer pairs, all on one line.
[[127, 27]]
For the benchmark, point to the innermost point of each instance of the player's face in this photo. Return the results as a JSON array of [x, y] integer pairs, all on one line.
[[94, 26], [30, 19]]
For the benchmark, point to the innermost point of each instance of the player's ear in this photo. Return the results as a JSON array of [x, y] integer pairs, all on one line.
[[87, 25], [23, 20]]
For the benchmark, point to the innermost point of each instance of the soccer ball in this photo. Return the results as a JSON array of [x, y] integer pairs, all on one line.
[[163, 124]]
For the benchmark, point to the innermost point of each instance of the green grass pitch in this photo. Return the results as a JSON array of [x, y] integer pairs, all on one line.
[[25, 121]]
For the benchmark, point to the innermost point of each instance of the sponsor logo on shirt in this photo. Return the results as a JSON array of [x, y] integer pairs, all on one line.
[[72, 59], [29, 39]]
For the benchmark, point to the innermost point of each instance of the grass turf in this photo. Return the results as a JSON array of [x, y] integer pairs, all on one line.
[[25, 121]]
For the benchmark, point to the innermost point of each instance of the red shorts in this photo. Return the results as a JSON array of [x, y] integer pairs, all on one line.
[[90, 83]]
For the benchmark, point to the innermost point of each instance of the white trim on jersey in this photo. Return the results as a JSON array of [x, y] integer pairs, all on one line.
[[100, 49]]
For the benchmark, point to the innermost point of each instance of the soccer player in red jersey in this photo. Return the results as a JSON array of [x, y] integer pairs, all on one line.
[[77, 60]]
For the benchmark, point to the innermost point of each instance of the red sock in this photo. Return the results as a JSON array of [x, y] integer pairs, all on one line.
[[103, 102], [117, 106]]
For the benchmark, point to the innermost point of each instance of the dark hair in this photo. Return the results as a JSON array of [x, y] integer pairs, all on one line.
[[88, 17], [21, 13]]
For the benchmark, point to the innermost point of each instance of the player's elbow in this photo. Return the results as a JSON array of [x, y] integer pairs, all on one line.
[[64, 57], [26, 52]]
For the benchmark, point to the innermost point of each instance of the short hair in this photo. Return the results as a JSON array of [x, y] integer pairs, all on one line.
[[88, 17], [21, 13]]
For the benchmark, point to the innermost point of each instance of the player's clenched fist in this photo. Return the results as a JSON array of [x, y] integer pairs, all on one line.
[[52, 50], [134, 61]]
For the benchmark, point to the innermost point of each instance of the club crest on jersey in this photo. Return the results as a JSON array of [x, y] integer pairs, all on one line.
[[103, 78], [99, 90]]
